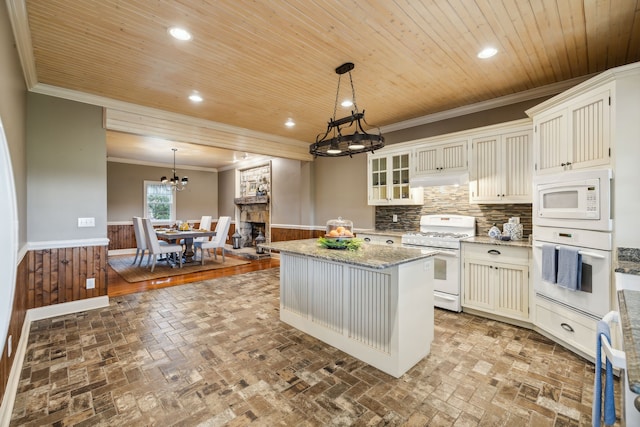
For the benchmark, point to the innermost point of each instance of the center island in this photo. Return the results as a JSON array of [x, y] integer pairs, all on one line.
[[374, 303]]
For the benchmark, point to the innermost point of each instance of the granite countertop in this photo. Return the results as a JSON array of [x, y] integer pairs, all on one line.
[[524, 243], [628, 261], [629, 305], [369, 255]]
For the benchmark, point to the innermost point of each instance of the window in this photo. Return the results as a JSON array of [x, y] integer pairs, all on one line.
[[159, 202]]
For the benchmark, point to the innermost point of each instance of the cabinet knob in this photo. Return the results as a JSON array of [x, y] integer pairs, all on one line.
[[568, 163], [389, 242], [563, 164], [367, 239], [503, 195]]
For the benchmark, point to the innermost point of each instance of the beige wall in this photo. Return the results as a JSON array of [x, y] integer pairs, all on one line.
[[340, 190], [13, 111], [67, 169], [226, 193], [125, 191], [291, 199]]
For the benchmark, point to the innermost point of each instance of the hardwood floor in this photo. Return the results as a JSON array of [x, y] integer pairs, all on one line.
[[117, 286]]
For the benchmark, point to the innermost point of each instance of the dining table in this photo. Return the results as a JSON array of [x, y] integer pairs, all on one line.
[[172, 236]]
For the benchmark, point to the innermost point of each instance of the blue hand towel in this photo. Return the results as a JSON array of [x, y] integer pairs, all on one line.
[[549, 263], [569, 268], [609, 402]]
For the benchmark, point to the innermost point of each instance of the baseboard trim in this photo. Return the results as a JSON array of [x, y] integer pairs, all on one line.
[[13, 381]]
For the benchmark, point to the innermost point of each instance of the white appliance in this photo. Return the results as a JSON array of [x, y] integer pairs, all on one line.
[[444, 232], [576, 199], [593, 298]]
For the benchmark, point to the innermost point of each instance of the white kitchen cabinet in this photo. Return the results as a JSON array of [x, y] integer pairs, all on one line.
[[496, 280], [441, 158], [501, 168], [388, 180], [569, 327], [575, 134]]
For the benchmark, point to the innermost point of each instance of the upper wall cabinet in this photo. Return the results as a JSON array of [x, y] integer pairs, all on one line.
[[441, 158], [388, 180], [501, 164], [574, 134]]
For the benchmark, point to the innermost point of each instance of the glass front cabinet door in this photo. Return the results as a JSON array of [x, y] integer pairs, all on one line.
[[389, 176]]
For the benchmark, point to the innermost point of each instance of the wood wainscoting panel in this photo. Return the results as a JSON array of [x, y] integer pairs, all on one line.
[[121, 236], [284, 234], [18, 314], [59, 275]]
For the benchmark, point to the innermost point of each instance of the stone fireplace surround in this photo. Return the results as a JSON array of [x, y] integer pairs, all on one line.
[[254, 217]]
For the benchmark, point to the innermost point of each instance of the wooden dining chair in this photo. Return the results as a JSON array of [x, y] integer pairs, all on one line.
[[218, 241], [155, 248]]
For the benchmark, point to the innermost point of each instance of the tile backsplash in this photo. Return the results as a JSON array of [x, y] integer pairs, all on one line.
[[450, 199]]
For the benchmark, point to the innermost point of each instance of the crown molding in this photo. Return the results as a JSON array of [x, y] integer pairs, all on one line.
[[20, 24], [514, 98]]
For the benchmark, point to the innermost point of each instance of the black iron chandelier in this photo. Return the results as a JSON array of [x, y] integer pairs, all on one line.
[[175, 182], [333, 143]]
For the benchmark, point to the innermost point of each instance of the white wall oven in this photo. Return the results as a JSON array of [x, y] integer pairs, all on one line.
[[592, 296], [576, 199], [444, 233]]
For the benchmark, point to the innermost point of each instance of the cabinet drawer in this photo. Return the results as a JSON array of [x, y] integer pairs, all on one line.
[[496, 253], [380, 239], [569, 326]]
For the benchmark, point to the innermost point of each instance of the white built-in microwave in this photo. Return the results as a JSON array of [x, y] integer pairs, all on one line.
[[575, 199]]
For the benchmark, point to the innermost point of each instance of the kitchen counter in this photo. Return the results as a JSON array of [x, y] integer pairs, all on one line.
[[629, 306], [374, 303], [486, 240], [628, 261], [369, 255]]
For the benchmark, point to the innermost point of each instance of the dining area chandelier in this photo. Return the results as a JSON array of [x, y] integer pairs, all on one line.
[[338, 140], [175, 182]]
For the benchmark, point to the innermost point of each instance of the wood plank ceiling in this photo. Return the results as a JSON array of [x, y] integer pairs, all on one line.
[[258, 63]]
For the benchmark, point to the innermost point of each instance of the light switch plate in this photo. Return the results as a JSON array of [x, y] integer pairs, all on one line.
[[86, 222], [91, 283]]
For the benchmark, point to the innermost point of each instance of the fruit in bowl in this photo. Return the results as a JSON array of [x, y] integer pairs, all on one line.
[[339, 233]]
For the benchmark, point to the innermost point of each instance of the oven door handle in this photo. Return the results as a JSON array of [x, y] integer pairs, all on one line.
[[447, 253], [583, 253]]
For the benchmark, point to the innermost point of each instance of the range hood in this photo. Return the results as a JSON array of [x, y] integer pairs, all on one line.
[[452, 178]]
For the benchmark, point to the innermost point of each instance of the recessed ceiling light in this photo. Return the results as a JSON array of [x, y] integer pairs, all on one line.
[[487, 52], [289, 123], [180, 33], [195, 97], [346, 103]]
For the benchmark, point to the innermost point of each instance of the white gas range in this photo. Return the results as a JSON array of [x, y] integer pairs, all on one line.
[[444, 232]]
